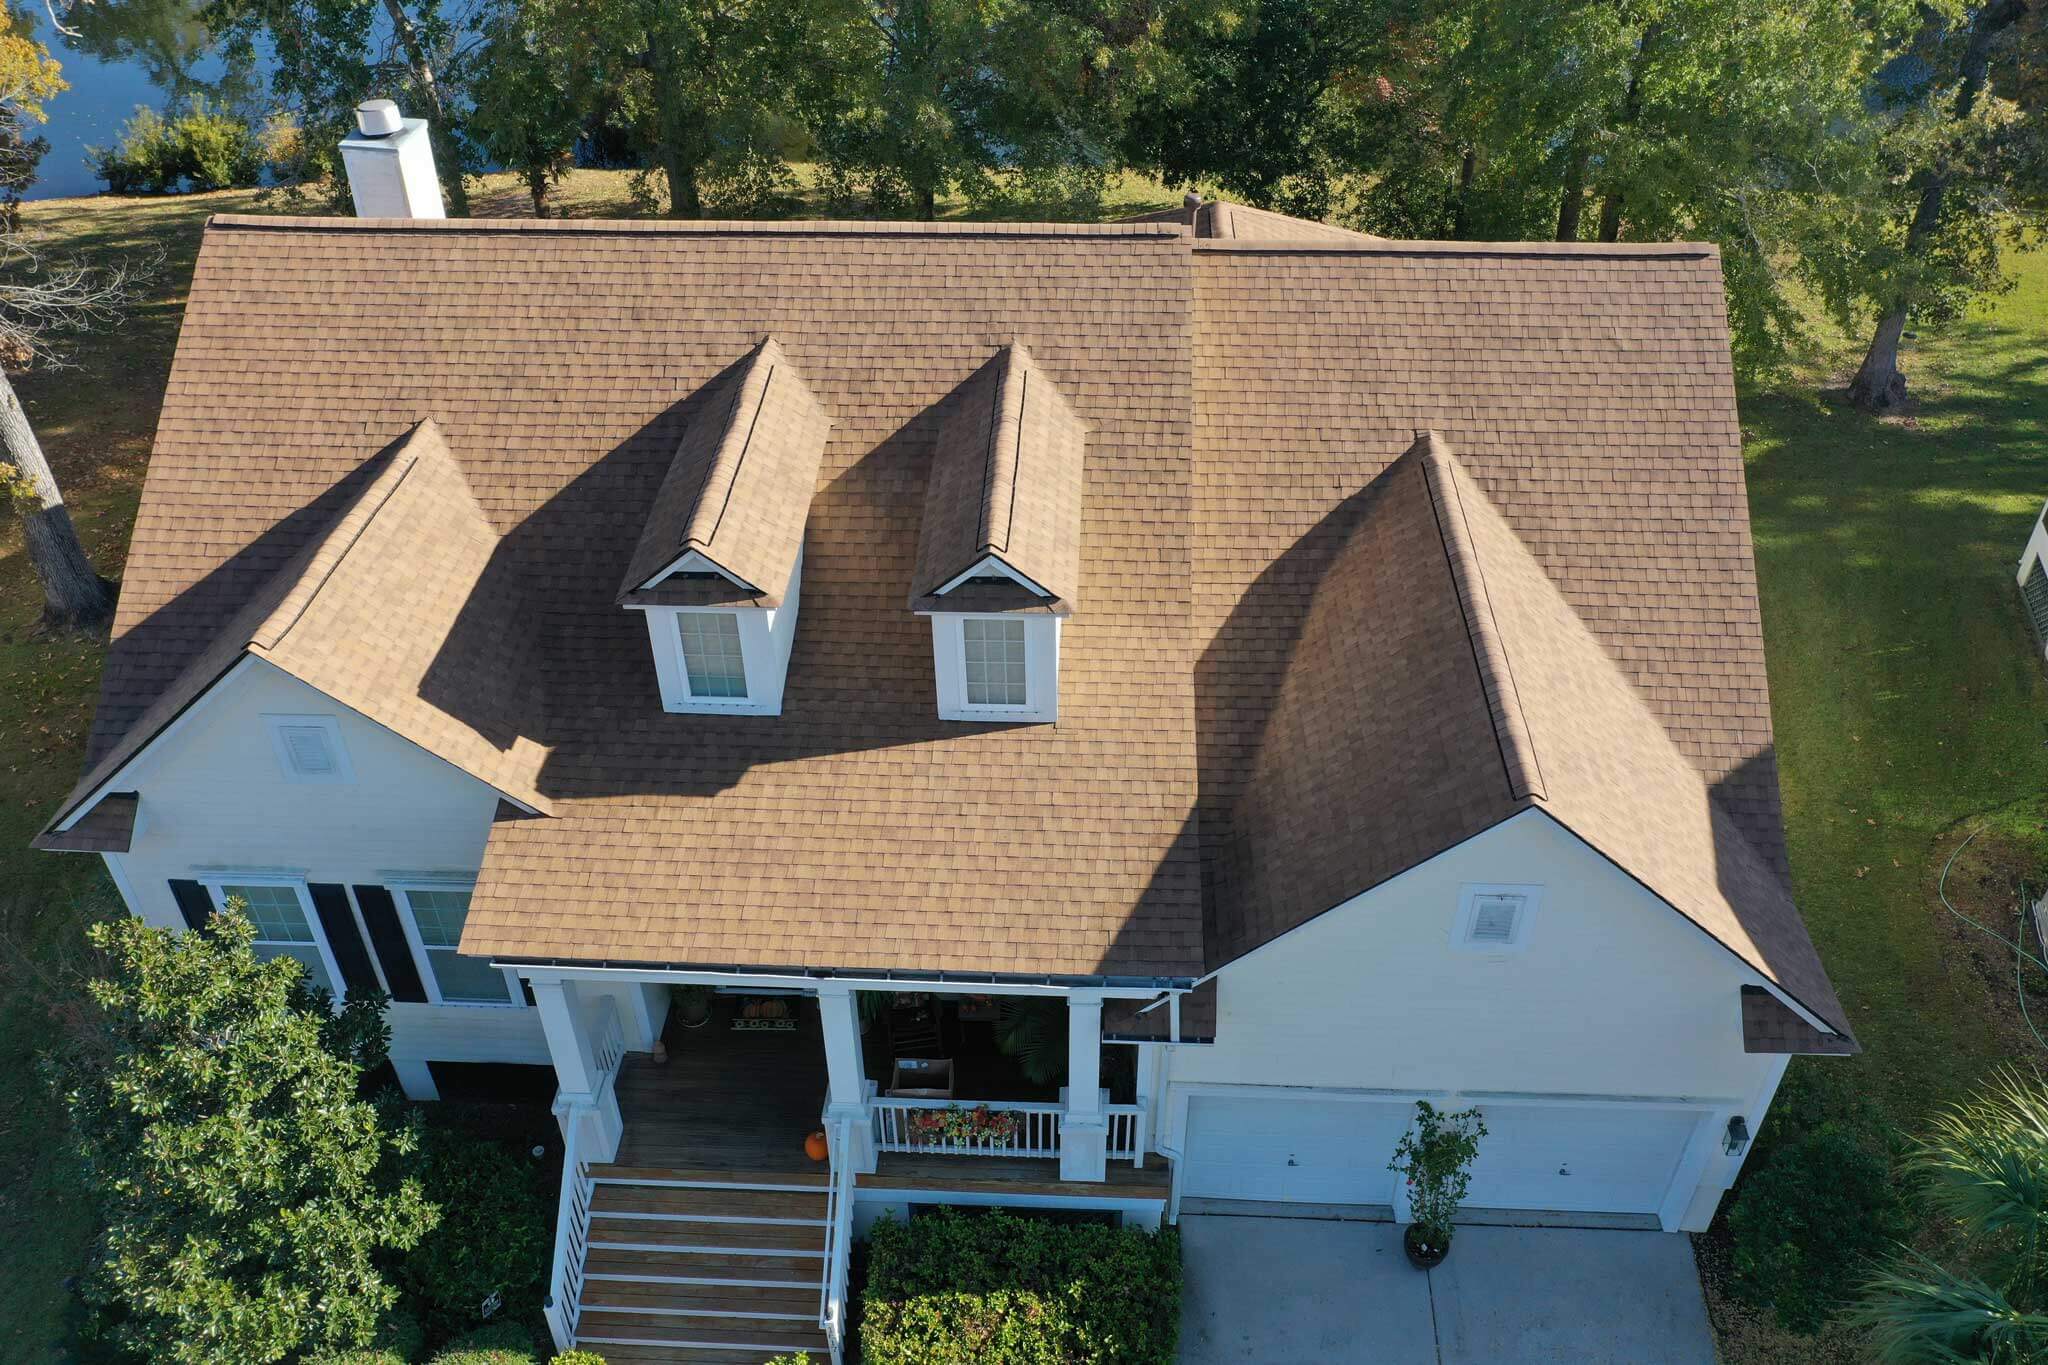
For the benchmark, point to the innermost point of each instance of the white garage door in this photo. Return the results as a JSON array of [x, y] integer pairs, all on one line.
[[1586, 1158], [1291, 1148]]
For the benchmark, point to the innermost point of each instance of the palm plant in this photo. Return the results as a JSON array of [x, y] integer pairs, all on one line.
[[1986, 1166]]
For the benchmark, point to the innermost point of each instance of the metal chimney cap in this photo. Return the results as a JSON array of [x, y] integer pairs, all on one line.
[[378, 118]]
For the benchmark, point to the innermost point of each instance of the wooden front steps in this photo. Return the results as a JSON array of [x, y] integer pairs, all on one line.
[[703, 1267]]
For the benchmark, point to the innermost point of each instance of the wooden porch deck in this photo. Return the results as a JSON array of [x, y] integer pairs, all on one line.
[[725, 1100]]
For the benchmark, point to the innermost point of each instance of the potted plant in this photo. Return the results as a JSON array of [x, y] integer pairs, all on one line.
[[1435, 1158], [694, 1004], [963, 1129]]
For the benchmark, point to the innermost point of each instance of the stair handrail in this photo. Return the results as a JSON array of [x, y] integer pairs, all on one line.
[[838, 1239], [564, 1305]]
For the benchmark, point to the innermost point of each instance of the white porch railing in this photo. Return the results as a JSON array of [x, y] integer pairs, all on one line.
[[838, 1240], [900, 1126], [564, 1306]]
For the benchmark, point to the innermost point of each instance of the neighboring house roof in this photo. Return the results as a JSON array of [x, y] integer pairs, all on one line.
[[1440, 684], [1242, 400], [740, 485], [399, 608], [1005, 484]]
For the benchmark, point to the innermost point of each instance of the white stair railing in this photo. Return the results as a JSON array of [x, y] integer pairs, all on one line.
[[838, 1240], [564, 1307]]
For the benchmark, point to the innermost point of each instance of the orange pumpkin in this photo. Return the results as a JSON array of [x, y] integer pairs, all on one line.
[[815, 1146]]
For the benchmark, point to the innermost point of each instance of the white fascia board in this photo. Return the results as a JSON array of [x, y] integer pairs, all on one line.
[[990, 566], [177, 723], [694, 561], [681, 976]]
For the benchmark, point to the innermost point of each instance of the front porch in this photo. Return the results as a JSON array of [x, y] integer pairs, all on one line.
[[693, 1219]]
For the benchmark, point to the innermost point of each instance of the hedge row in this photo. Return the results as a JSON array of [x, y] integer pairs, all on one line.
[[959, 1288]]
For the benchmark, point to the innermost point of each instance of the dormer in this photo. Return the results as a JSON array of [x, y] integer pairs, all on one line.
[[717, 569], [999, 551]]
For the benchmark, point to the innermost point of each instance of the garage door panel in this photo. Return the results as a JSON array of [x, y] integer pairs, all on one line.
[[1291, 1148], [1591, 1158]]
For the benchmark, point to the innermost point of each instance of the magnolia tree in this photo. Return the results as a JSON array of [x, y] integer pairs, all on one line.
[[243, 1186]]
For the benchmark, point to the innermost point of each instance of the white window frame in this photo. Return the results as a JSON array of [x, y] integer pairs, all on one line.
[[746, 697], [430, 983], [766, 636], [1469, 896], [1041, 667], [344, 772], [216, 884]]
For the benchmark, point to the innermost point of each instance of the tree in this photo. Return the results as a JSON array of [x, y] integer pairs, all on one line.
[[705, 86], [1986, 1164], [213, 1099], [330, 55], [1962, 170], [526, 118], [35, 304], [922, 98]]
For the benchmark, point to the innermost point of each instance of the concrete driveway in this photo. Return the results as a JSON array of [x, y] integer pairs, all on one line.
[[1313, 1290]]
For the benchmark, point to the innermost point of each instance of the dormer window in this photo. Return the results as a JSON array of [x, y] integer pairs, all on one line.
[[719, 562], [714, 667], [998, 557]]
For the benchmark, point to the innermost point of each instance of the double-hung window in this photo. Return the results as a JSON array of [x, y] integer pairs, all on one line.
[[713, 663], [435, 916], [283, 915]]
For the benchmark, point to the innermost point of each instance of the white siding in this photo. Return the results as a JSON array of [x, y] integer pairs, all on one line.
[[1611, 994], [214, 796]]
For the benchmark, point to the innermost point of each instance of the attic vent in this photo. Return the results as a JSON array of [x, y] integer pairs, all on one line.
[[309, 748], [1494, 919]]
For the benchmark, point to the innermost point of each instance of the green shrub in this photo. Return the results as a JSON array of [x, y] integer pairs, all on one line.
[[585, 1358], [952, 1288], [1810, 1222], [199, 147], [495, 1238], [502, 1343], [399, 1341]]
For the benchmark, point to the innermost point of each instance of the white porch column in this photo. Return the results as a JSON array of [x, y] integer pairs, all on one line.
[[1084, 1131], [846, 1079], [581, 1096]]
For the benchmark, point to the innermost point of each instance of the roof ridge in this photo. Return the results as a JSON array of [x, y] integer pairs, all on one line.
[[1511, 731], [697, 227], [1389, 246], [1005, 447], [726, 462], [327, 551]]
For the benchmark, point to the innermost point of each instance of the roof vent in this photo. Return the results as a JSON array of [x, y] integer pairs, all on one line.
[[1191, 200], [378, 118]]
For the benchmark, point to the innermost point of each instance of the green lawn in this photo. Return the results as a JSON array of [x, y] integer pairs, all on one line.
[[1908, 704], [1906, 696]]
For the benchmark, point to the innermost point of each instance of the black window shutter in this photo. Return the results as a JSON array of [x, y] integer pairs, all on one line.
[[527, 987], [387, 936], [330, 902], [193, 902]]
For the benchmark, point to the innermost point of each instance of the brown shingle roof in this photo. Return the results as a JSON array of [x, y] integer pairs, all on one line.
[[109, 827], [1219, 218], [1768, 1026], [1005, 482], [740, 486], [1238, 396], [396, 609]]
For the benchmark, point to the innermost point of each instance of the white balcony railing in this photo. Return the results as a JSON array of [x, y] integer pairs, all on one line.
[[1011, 1128], [838, 1240]]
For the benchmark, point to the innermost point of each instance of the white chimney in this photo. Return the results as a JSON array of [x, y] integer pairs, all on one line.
[[390, 164]]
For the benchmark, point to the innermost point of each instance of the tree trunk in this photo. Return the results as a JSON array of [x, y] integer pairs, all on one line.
[[685, 199], [537, 186], [1461, 208], [446, 162], [1610, 217], [1879, 385], [1573, 200], [927, 203], [74, 596]]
